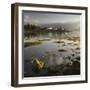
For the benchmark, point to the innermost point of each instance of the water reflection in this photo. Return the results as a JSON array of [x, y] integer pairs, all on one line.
[[52, 53]]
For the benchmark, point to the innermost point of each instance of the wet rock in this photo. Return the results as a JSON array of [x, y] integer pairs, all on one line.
[[62, 50]]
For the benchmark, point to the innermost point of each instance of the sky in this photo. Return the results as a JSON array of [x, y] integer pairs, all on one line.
[[40, 18]]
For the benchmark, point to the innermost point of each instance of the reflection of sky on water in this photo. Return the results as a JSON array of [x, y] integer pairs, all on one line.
[[54, 56]]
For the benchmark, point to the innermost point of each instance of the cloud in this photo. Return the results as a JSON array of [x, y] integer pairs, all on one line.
[[47, 18]]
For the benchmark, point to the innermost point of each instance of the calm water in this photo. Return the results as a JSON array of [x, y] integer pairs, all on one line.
[[51, 50]]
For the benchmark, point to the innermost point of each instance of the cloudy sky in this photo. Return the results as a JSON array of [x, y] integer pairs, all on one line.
[[40, 18]]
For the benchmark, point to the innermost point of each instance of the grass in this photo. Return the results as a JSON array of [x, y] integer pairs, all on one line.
[[74, 39], [62, 50], [77, 48], [48, 39], [27, 44]]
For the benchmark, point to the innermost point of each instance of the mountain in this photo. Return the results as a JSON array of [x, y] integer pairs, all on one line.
[[67, 26]]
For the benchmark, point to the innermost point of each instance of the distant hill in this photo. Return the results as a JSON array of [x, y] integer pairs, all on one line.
[[66, 26]]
